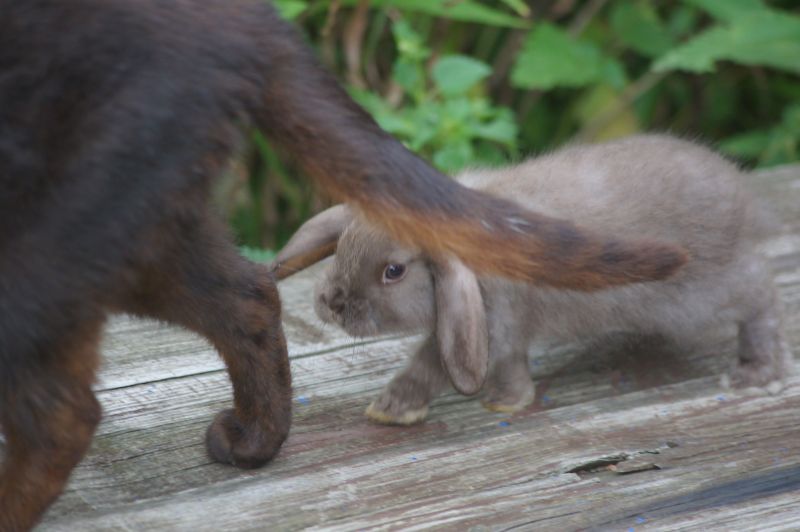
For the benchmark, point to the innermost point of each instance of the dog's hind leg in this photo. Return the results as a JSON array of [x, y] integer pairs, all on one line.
[[202, 283], [48, 413]]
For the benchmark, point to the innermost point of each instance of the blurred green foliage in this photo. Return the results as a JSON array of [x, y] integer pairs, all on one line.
[[469, 82], [445, 116]]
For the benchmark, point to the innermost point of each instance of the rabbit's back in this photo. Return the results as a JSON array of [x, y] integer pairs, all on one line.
[[648, 186], [643, 187]]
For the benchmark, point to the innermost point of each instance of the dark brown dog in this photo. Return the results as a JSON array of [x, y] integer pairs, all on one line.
[[115, 115]]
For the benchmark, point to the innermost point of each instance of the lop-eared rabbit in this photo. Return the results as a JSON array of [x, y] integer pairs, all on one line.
[[645, 188]]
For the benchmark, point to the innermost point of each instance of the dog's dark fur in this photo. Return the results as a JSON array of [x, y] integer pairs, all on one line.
[[115, 115]]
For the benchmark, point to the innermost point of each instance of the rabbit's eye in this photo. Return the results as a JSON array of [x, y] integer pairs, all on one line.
[[393, 273]]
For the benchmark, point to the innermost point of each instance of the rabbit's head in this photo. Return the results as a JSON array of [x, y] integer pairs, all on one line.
[[374, 286]]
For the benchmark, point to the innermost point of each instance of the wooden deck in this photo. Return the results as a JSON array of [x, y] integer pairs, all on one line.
[[688, 454]]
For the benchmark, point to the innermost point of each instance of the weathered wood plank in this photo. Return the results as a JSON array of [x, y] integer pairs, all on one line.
[[736, 463], [465, 468]]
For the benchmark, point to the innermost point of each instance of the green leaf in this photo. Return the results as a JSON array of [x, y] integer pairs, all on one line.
[[257, 254], [386, 117], [551, 58], [490, 156], [410, 44], [638, 26], [290, 9], [750, 36], [777, 145], [456, 74], [612, 72], [420, 137], [503, 130], [458, 109], [463, 10], [749, 145], [682, 21], [729, 10], [395, 124], [519, 6], [454, 156], [408, 74], [371, 101]]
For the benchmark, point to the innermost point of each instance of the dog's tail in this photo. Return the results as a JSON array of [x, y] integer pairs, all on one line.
[[304, 109]]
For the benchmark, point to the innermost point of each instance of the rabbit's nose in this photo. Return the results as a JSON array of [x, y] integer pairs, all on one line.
[[334, 300]]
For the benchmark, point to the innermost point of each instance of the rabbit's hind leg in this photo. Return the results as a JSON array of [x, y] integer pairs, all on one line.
[[509, 387], [404, 401], [764, 358], [763, 355]]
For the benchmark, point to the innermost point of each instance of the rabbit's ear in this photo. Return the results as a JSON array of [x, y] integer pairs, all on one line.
[[461, 325], [315, 240]]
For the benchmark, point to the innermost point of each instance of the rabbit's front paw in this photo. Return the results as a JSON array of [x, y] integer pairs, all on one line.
[[397, 405], [509, 399]]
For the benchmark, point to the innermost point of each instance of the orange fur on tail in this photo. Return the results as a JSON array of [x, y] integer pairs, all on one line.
[[536, 248], [340, 145]]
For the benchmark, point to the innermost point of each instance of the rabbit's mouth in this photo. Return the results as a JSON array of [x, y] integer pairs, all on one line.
[[360, 327], [354, 318], [358, 320]]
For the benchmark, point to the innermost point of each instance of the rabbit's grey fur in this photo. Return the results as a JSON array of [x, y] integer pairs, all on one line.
[[649, 186]]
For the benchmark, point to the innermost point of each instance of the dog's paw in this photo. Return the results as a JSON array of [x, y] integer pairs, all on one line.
[[247, 446]]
